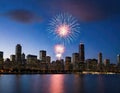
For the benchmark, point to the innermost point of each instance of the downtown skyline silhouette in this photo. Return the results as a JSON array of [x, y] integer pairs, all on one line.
[[26, 23]]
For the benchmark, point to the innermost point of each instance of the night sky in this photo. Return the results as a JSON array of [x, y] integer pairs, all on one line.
[[25, 22]]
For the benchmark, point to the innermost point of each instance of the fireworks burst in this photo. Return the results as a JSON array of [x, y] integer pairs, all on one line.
[[64, 27], [59, 50]]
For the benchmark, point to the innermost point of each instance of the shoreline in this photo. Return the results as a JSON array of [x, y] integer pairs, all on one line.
[[92, 73]]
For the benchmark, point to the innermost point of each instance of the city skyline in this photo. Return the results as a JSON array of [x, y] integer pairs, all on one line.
[[43, 54], [26, 22], [22, 63]]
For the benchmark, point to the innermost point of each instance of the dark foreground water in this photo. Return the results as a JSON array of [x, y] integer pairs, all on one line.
[[60, 83]]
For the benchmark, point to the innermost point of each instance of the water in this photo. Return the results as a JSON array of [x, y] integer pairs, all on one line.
[[60, 83]]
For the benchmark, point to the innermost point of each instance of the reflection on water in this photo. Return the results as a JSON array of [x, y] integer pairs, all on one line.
[[59, 83], [79, 83], [100, 84]]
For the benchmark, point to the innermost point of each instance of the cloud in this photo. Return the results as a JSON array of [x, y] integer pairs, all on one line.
[[85, 10], [93, 10], [23, 16]]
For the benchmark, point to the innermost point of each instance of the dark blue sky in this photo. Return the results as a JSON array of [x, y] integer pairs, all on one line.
[[26, 21]]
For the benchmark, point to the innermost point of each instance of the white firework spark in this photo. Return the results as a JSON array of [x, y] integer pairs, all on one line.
[[64, 27]]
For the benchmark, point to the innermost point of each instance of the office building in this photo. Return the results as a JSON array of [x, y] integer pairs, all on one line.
[[43, 55], [31, 59], [75, 58], [1, 57], [67, 59], [48, 59], [91, 64], [100, 58], [18, 52], [118, 59], [12, 58], [23, 58], [68, 66], [107, 62], [81, 53]]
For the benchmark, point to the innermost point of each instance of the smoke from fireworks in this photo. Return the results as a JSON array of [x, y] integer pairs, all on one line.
[[64, 27]]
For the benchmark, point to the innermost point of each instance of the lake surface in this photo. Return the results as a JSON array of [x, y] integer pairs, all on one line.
[[60, 83]]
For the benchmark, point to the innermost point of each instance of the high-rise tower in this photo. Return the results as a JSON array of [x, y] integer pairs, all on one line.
[[23, 58], [68, 59], [75, 58], [12, 58], [1, 59], [100, 62], [1, 56], [81, 52], [48, 59], [18, 52], [118, 59], [100, 58], [43, 55]]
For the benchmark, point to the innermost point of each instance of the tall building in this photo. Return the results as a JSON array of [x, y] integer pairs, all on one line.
[[18, 52], [43, 55], [75, 61], [106, 62], [31, 59], [48, 59], [1, 57], [23, 58], [118, 59], [106, 65], [68, 59], [100, 58], [12, 58], [91, 64], [75, 58], [100, 62], [68, 65], [81, 52]]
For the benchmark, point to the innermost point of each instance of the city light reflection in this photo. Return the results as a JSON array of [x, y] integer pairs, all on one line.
[[57, 84]]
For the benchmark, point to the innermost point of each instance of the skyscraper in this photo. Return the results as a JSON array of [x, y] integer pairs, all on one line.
[[23, 58], [100, 62], [1, 59], [12, 58], [68, 59], [48, 59], [31, 59], [75, 58], [18, 52], [81, 52], [1, 56], [100, 58], [118, 59], [106, 62], [43, 55]]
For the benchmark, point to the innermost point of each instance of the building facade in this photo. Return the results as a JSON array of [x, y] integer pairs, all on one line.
[[1, 59], [12, 58], [42, 56], [48, 59], [81, 53], [18, 52]]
